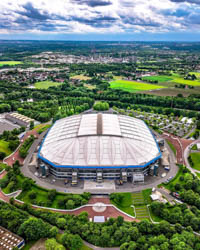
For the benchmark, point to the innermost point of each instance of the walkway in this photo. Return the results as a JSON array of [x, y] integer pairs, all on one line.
[[180, 144], [15, 156]]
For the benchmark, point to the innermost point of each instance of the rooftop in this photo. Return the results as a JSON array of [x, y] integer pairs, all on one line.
[[99, 140]]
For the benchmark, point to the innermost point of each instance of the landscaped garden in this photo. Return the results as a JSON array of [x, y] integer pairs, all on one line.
[[46, 84], [33, 194], [133, 86]]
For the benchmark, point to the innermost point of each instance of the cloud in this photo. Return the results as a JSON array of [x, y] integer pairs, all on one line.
[[187, 1], [98, 16], [93, 3]]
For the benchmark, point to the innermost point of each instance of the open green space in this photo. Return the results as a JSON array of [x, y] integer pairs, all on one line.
[[194, 160], [123, 201], [10, 63], [4, 147], [46, 84], [158, 78], [133, 86], [180, 80], [172, 147]]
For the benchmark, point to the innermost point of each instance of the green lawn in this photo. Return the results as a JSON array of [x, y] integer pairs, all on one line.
[[172, 147], [158, 78], [46, 84], [10, 63], [133, 86], [4, 147], [194, 147], [195, 158], [125, 204], [198, 174]]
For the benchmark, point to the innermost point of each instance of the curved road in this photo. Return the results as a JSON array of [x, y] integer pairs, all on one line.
[[186, 154]]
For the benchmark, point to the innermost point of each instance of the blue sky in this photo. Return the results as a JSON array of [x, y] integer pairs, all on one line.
[[128, 20]]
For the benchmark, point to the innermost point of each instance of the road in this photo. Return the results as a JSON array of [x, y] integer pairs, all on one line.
[[186, 154]]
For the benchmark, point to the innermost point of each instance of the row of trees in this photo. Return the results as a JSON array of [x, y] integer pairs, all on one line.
[[23, 151], [116, 232]]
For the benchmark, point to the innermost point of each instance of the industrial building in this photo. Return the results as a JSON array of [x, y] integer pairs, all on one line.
[[99, 146], [19, 119]]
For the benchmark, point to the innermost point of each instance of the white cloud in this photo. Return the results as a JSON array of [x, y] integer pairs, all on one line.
[[99, 16]]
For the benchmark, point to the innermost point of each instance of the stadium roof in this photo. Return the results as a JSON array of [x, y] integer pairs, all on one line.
[[99, 140]]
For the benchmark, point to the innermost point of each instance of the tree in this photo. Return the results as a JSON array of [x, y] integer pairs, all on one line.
[[51, 194], [26, 184], [2, 155], [61, 222], [34, 229], [31, 125], [52, 244]]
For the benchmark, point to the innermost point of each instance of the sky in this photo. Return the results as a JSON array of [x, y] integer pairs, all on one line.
[[107, 20]]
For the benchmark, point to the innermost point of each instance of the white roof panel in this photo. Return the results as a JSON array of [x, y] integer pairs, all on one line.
[[96, 140]]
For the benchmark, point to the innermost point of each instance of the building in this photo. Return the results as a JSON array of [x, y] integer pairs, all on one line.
[[9, 240], [99, 146], [19, 119]]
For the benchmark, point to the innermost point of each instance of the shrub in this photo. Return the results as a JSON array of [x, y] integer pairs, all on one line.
[[2, 155], [32, 195]]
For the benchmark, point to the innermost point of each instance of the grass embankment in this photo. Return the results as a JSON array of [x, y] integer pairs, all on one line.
[[10, 63], [171, 185], [4, 147], [42, 127], [124, 203], [172, 147], [133, 86], [194, 159], [46, 84]]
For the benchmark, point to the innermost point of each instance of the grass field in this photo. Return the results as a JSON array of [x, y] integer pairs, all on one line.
[[80, 77], [46, 84], [197, 74], [133, 86], [4, 147], [159, 78], [195, 158], [10, 63]]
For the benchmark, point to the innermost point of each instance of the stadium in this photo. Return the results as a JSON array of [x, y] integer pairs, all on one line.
[[99, 146]]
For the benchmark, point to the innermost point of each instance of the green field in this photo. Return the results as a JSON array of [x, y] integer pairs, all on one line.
[[186, 82], [133, 86], [4, 147], [158, 78], [195, 158], [197, 74], [46, 84], [10, 63]]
